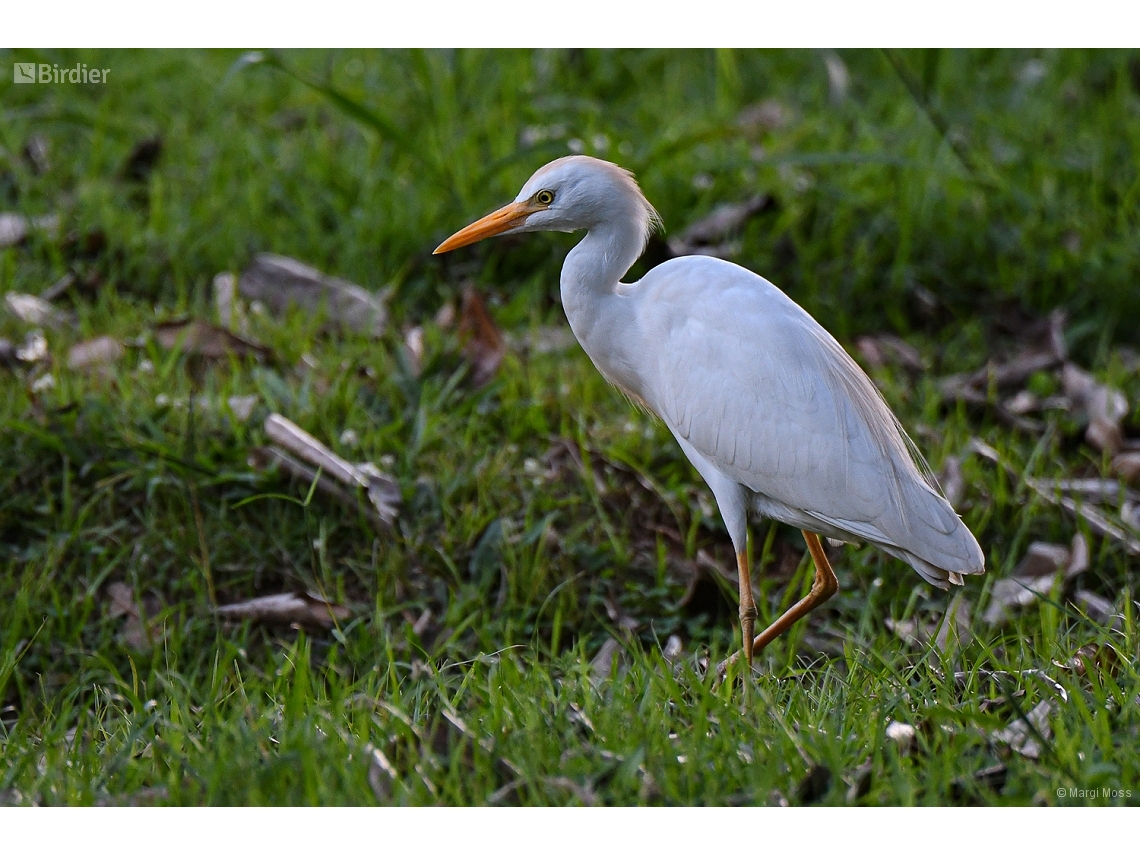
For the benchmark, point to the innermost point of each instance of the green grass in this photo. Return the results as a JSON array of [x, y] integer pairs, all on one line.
[[1019, 195]]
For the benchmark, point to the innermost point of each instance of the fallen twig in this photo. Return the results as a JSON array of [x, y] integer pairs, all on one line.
[[1097, 521], [300, 450], [303, 608]]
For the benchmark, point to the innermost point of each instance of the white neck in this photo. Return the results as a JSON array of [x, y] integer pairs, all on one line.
[[601, 318]]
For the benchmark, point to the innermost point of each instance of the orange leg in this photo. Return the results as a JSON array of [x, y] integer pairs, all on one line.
[[822, 589]]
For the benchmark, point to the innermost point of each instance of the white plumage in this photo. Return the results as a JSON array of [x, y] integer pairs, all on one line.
[[811, 442], [768, 407]]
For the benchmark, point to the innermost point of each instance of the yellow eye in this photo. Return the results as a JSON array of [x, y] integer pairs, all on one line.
[[544, 197]]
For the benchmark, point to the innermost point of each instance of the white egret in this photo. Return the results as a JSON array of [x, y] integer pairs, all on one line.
[[765, 403]]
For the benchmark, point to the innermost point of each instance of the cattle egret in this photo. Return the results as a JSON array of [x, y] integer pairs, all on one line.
[[765, 403]]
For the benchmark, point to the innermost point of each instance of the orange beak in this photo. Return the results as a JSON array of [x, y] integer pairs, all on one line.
[[504, 219]]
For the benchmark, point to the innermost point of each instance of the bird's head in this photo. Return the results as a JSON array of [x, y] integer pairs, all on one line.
[[566, 195]]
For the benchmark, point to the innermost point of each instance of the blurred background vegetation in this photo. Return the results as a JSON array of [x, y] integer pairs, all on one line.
[[910, 188]]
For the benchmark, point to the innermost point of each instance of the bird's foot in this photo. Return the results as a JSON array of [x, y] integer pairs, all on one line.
[[723, 666]]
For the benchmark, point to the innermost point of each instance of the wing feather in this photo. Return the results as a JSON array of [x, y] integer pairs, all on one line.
[[773, 401]]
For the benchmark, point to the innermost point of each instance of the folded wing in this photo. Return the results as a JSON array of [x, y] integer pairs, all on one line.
[[769, 397]]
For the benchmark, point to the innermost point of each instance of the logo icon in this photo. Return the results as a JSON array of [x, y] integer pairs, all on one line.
[[24, 72]]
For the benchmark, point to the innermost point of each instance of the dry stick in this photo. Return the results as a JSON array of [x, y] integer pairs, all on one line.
[[265, 457], [293, 439], [1097, 521], [383, 491], [1099, 489], [61, 285], [971, 386], [486, 743]]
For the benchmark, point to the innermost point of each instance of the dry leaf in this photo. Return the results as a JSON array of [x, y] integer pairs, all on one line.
[[303, 609], [94, 352], [58, 288], [952, 481], [602, 664], [1103, 405], [955, 626], [621, 618], [838, 78], [880, 350], [1078, 561], [1034, 576], [1023, 402], [1019, 735], [242, 406], [711, 233], [1130, 514], [1097, 521], [122, 600], [989, 704], [483, 344], [1099, 609], [414, 350], [35, 348], [556, 338], [902, 734], [859, 782], [423, 624], [1092, 660], [273, 458], [381, 774], [1046, 350], [199, 338], [910, 631], [229, 309], [135, 632], [14, 228], [37, 151], [1127, 466], [445, 317], [281, 283], [36, 311], [768, 115], [991, 778], [973, 386], [1042, 559]]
